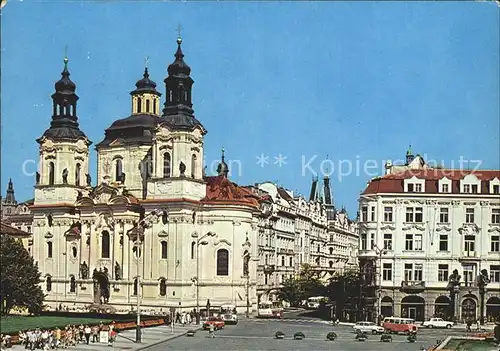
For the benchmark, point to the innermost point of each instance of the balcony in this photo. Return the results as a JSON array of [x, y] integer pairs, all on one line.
[[469, 255], [412, 287], [367, 254]]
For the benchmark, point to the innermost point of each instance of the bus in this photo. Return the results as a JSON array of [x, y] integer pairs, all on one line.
[[228, 313], [399, 325], [314, 302], [268, 309]]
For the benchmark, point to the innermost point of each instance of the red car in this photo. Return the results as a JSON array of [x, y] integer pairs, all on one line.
[[217, 322]]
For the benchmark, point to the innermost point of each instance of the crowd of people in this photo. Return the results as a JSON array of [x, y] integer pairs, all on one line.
[[71, 335]]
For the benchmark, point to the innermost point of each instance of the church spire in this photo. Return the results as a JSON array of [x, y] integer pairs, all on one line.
[[145, 98], [222, 168], [64, 125], [10, 198], [178, 113]]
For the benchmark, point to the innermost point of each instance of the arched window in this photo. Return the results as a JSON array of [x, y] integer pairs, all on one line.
[[193, 250], [331, 250], [170, 95], [48, 283], [283, 260], [291, 261], [154, 106], [118, 170], [72, 284], [193, 166], [49, 249], [246, 260], [134, 292], [105, 244], [167, 165], [163, 287], [51, 173], [74, 251], [139, 105], [222, 262], [164, 251], [147, 105], [78, 169], [330, 264]]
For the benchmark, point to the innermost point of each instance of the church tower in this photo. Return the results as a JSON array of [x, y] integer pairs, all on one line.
[[178, 147], [64, 149]]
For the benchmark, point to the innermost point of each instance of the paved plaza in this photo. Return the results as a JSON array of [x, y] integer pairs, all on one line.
[[254, 334]]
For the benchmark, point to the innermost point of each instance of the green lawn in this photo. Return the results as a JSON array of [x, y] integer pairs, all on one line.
[[11, 324]]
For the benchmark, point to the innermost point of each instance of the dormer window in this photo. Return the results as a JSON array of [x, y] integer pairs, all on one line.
[[414, 185], [474, 189], [467, 188], [494, 186], [410, 188], [445, 188], [496, 189], [418, 188]]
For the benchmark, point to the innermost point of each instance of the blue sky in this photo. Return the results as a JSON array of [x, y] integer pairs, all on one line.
[[356, 81]]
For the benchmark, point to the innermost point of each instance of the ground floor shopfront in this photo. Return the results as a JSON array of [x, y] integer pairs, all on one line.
[[438, 303]]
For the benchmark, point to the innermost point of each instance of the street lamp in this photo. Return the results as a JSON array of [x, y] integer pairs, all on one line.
[[199, 243], [380, 253], [146, 222]]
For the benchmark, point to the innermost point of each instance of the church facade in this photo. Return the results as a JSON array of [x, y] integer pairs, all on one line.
[[153, 224]]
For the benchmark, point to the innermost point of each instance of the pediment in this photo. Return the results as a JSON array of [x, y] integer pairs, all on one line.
[[48, 235], [469, 229], [84, 202], [116, 142], [443, 229], [494, 229], [388, 227], [163, 234], [73, 232], [414, 226], [222, 241], [102, 193]]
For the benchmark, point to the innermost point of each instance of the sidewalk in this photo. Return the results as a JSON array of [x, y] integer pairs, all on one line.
[[125, 340]]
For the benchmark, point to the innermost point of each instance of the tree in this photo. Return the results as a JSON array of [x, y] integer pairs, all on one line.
[[344, 289], [20, 278], [300, 288]]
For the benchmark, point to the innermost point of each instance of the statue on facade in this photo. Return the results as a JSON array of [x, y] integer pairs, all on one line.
[[65, 176], [182, 168], [37, 178], [483, 278], [454, 279], [95, 273], [89, 180], [84, 270], [117, 271], [79, 195]]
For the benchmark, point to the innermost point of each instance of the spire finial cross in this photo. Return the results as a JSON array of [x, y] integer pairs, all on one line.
[[179, 31], [65, 56], [146, 61]]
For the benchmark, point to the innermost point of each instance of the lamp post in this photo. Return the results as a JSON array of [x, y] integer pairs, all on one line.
[[199, 243], [146, 222], [380, 253]]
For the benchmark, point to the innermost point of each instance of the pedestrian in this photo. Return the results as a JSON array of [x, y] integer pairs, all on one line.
[[87, 331], [468, 325], [211, 331], [478, 325], [95, 333], [80, 332]]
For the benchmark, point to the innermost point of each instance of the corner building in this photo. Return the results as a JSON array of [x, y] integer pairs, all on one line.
[[420, 223], [85, 235]]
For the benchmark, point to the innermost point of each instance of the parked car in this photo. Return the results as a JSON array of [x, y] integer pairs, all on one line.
[[437, 323], [217, 322], [367, 327]]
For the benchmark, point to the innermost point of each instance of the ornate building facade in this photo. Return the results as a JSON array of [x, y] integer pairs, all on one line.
[[429, 242], [152, 216]]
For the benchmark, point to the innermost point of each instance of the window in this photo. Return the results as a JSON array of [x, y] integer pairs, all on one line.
[[409, 242], [408, 272], [282, 260], [419, 213], [167, 162], [409, 214], [364, 213], [466, 188], [418, 188], [469, 243], [331, 250], [495, 216], [495, 274], [443, 215], [77, 174], [330, 264], [139, 105], [387, 271], [474, 188], [118, 170], [72, 284], [410, 188], [246, 263], [496, 189], [495, 243], [372, 214], [48, 283], [291, 261], [193, 166], [363, 241], [147, 105], [387, 214], [105, 244], [164, 250], [49, 249], [418, 272], [468, 275], [135, 289], [74, 251], [137, 251], [193, 250], [154, 107], [163, 287], [417, 242], [372, 241], [51, 173], [469, 215], [445, 188], [387, 241], [222, 262], [443, 242], [443, 272]]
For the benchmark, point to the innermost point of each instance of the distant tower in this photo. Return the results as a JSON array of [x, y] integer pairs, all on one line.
[[222, 168], [9, 202], [314, 189], [409, 156]]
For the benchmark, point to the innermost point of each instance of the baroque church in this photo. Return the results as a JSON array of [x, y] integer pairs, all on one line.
[[152, 224]]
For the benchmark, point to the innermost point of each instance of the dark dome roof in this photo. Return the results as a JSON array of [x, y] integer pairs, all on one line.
[[145, 84], [65, 84], [179, 67]]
